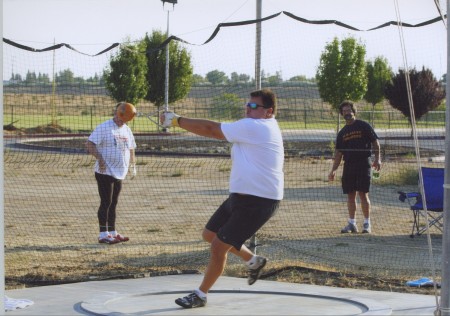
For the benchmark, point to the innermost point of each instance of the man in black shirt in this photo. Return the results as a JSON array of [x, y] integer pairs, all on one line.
[[354, 144]]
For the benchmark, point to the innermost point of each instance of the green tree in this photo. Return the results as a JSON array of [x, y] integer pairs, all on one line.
[[298, 78], [180, 69], [79, 80], [239, 79], [427, 93], [379, 73], [43, 79], [244, 78], [198, 80], [227, 106], [30, 78], [217, 77], [65, 77], [341, 74], [234, 78], [93, 80], [16, 78], [125, 76], [275, 80]]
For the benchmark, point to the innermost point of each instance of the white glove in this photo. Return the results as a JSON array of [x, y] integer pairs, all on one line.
[[133, 171], [170, 119]]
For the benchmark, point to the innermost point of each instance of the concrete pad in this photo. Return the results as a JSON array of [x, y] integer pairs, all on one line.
[[230, 296]]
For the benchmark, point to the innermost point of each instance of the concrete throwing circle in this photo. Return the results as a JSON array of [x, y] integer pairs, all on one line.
[[233, 302]]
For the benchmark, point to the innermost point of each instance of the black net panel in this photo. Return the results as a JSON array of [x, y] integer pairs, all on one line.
[[51, 197]]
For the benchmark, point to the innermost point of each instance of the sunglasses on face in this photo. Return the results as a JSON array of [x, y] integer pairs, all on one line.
[[253, 106]]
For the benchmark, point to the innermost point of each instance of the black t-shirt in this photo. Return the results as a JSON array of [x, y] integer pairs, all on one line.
[[355, 141]]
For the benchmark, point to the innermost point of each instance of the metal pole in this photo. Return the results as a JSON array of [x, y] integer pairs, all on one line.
[[258, 46], [253, 241], [445, 282], [2, 186], [52, 102], [166, 85]]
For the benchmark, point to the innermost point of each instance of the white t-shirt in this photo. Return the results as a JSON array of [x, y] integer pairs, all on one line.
[[114, 144], [258, 157]]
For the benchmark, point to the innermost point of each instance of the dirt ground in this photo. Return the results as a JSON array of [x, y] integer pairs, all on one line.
[[50, 219]]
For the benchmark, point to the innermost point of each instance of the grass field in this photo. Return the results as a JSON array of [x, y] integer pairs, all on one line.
[[81, 113]]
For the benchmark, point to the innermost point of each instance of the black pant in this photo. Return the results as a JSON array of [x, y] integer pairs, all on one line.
[[109, 190]]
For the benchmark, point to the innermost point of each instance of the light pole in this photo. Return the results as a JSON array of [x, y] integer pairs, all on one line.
[[258, 46], [166, 84], [253, 241]]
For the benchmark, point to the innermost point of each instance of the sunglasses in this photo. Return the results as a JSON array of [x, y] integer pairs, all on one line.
[[253, 106]]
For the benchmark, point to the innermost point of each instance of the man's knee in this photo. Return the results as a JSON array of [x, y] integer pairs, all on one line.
[[351, 196], [364, 197], [219, 249], [208, 235]]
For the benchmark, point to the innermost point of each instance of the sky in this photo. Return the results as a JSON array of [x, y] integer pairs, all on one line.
[[92, 25]]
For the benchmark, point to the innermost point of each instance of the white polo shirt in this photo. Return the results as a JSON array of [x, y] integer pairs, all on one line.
[[257, 157]]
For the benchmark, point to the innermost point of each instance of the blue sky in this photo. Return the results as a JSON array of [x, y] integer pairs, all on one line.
[[92, 25]]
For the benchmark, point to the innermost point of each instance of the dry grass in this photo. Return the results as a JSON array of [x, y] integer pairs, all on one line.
[[51, 229], [317, 275]]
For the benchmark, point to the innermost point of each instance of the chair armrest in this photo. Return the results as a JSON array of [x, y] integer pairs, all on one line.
[[408, 195]]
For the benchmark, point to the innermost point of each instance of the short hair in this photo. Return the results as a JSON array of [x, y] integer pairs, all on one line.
[[268, 98], [347, 103]]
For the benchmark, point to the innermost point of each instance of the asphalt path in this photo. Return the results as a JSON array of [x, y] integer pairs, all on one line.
[[428, 138]]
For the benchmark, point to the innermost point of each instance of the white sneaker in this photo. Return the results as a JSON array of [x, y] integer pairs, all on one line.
[[108, 239], [350, 228], [366, 229], [254, 272]]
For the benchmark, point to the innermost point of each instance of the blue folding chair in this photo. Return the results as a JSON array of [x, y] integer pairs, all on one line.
[[433, 184]]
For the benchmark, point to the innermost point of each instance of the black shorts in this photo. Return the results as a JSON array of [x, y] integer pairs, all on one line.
[[356, 176], [240, 217]]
